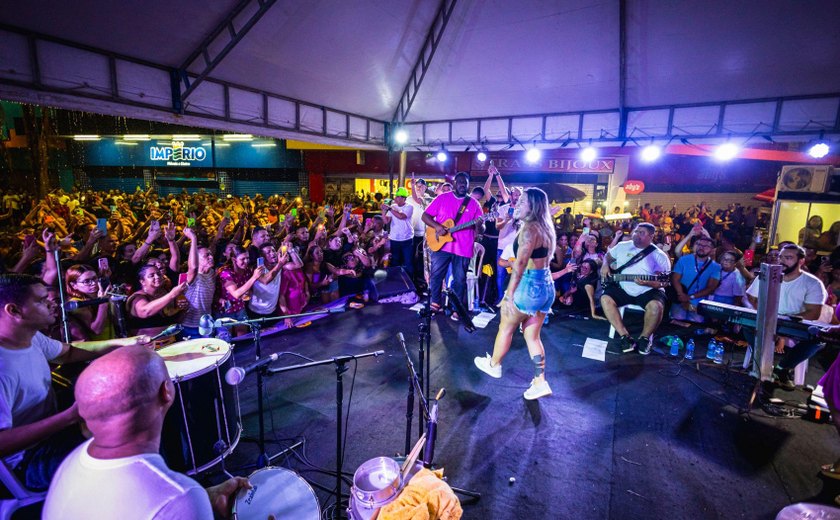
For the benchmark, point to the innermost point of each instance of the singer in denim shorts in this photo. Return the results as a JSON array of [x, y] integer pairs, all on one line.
[[535, 292]]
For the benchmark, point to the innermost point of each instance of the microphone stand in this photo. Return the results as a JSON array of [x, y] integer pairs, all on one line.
[[413, 382], [340, 368], [263, 459], [62, 296]]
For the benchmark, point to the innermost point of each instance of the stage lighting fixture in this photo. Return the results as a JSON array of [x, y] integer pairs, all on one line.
[[442, 156], [481, 156], [651, 153], [588, 154], [819, 150], [401, 136], [726, 151], [533, 155]]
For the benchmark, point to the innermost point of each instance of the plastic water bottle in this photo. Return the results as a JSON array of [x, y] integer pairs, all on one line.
[[711, 349], [689, 349], [719, 353], [675, 348]]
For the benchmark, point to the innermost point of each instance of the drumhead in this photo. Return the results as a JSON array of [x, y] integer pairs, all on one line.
[[194, 357], [279, 492]]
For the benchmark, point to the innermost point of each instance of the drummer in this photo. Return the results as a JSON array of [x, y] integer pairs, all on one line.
[[119, 473]]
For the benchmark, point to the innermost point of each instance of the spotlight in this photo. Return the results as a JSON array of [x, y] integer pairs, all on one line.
[[819, 150], [401, 136], [588, 154], [533, 155], [651, 153], [481, 156], [726, 152], [442, 156]]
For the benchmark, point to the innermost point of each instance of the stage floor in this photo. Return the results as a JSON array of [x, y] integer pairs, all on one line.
[[631, 437]]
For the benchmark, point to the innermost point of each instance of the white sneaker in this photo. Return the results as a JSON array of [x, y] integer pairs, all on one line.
[[537, 390], [485, 365]]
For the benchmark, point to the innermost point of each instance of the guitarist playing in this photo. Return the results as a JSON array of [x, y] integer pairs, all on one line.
[[640, 257], [458, 207]]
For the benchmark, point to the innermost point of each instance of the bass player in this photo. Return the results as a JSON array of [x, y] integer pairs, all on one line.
[[455, 206], [638, 256]]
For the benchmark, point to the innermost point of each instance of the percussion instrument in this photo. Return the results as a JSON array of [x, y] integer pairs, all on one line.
[[279, 492], [203, 425]]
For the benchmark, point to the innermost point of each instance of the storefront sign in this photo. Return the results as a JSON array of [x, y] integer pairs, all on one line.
[[634, 187], [177, 154], [558, 165]]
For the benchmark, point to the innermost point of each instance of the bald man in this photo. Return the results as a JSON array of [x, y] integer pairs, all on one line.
[[119, 473]]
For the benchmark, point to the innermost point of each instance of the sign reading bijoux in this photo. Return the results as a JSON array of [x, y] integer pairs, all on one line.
[[177, 154], [560, 165], [634, 187]]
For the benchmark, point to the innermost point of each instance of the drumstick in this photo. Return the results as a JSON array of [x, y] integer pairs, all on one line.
[[412, 457]]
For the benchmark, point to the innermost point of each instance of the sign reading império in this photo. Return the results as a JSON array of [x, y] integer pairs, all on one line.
[[634, 187], [177, 154]]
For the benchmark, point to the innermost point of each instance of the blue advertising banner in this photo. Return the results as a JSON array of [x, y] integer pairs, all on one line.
[[187, 154]]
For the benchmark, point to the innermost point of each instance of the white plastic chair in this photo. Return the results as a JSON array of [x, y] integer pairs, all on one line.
[[473, 274], [21, 496], [621, 312]]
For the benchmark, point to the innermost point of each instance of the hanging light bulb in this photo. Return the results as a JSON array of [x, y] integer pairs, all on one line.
[[819, 150], [651, 153], [533, 155], [726, 151], [401, 136], [481, 156], [588, 154]]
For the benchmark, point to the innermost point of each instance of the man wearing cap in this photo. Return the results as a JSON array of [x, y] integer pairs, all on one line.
[[401, 233]]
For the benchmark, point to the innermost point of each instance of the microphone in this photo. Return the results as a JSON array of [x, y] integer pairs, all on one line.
[[205, 325], [72, 306], [168, 331], [225, 322], [431, 430], [236, 375]]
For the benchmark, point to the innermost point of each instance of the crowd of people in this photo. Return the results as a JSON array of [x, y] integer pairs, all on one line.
[[132, 264]]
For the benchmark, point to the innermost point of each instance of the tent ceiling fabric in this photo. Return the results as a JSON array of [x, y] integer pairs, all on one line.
[[495, 58]]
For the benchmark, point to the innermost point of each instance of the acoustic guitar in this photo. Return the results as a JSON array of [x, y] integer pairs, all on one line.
[[436, 242]]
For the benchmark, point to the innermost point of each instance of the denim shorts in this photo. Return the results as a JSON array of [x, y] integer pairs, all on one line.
[[535, 292]]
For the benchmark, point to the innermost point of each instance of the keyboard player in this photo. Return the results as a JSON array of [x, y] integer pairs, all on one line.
[[802, 294]]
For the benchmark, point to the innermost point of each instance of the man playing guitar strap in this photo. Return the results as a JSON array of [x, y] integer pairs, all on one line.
[[648, 294], [457, 253]]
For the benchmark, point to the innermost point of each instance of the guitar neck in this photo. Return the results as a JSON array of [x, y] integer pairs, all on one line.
[[465, 225], [631, 277]]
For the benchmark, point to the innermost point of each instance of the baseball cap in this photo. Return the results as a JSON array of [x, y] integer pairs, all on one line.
[[401, 192]]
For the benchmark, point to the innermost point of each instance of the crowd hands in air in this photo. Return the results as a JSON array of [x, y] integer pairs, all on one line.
[[269, 256]]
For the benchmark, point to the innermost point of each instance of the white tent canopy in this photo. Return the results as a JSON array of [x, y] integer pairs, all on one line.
[[491, 71]]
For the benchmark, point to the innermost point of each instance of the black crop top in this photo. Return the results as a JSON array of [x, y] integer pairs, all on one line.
[[536, 254]]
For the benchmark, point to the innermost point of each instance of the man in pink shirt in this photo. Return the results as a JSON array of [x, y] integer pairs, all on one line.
[[458, 252]]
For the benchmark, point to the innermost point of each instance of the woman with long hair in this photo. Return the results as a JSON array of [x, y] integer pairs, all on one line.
[[153, 308], [236, 278], [87, 323], [530, 291]]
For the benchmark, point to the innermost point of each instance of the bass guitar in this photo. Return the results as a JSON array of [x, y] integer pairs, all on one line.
[[614, 279], [436, 242]]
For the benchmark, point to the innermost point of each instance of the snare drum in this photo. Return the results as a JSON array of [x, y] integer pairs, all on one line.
[[203, 424], [279, 492]]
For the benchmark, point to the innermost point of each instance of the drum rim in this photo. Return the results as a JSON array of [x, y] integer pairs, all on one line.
[[192, 375], [227, 452], [295, 473]]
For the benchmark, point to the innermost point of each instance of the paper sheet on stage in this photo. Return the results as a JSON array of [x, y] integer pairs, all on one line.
[[595, 349], [483, 319], [417, 307]]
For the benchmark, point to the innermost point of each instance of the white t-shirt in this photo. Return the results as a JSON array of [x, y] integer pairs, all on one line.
[[507, 232], [26, 394], [805, 289], [656, 262], [264, 296], [130, 488], [401, 229], [417, 217]]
